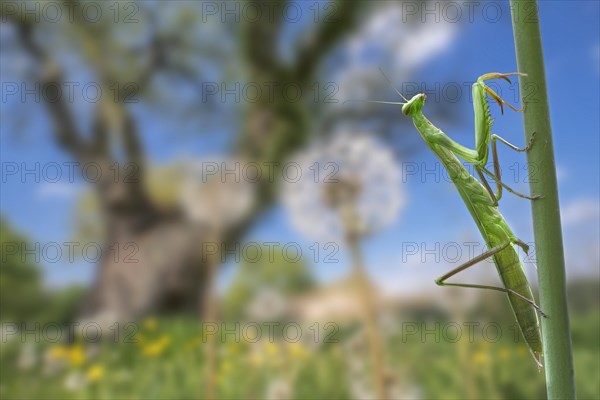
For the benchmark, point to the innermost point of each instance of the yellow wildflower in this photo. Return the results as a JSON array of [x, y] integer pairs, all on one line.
[[225, 367], [95, 372], [233, 348], [504, 353], [157, 347], [480, 357], [57, 352], [153, 349], [256, 359], [297, 350], [77, 355], [150, 324], [272, 349], [165, 340]]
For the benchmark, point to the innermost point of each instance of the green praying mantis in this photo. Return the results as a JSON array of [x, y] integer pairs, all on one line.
[[482, 202]]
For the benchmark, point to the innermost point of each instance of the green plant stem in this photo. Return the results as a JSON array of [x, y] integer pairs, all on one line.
[[546, 217]]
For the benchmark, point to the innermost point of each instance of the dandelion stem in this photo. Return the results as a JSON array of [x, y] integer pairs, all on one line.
[[369, 309], [210, 316]]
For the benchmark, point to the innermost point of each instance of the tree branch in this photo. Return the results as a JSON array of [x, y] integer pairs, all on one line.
[[260, 43], [65, 130], [327, 34]]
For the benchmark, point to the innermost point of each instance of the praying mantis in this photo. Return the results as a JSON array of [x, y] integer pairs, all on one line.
[[482, 202]]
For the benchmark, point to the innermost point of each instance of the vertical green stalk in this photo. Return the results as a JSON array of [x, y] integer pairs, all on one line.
[[546, 217]]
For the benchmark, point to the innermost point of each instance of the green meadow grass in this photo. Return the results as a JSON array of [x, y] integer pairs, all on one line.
[[166, 361]]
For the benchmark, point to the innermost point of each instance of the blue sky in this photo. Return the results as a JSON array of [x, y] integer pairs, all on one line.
[[570, 32], [435, 213]]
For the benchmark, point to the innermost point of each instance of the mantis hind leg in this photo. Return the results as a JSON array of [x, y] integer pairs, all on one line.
[[487, 186], [441, 281], [512, 146], [499, 183]]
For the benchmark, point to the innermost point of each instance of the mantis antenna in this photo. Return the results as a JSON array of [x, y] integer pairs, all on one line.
[[382, 102], [372, 101], [391, 84]]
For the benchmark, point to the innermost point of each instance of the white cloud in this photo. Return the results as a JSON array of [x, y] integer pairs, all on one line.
[[413, 44], [406, 275], [57, 190], [581, 210], [387, 38], [424, 43], [562, 173]]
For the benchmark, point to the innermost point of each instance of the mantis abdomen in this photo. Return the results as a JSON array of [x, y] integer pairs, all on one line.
[[496, 233]]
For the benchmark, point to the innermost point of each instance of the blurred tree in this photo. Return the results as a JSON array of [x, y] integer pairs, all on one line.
[[23, 297], [21, 294], [165, 51]]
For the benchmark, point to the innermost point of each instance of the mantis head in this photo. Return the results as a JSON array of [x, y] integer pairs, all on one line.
[[414, 105]]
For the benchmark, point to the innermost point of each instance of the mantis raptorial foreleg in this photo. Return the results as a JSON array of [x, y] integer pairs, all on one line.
[[494, 95], [441, 281], [483, 123], [482, 156]]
